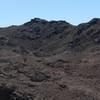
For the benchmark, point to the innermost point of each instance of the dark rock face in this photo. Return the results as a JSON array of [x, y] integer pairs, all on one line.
[[50, 60], [5, 93]]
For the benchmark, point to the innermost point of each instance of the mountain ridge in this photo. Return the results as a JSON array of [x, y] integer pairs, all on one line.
[[45, 33]]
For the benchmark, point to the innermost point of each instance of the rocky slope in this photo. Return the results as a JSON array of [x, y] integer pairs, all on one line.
[[50, 60]]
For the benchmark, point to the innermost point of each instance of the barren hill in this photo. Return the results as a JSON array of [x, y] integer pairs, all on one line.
[[50, 60]]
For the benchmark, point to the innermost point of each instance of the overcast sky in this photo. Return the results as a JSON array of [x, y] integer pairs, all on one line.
[[16, 12]]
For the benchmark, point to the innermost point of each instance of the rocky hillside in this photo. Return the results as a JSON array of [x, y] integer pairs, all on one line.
[[50, 60]]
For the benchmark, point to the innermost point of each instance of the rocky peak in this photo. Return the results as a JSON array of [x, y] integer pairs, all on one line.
[[95, 21], [36, 20]]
